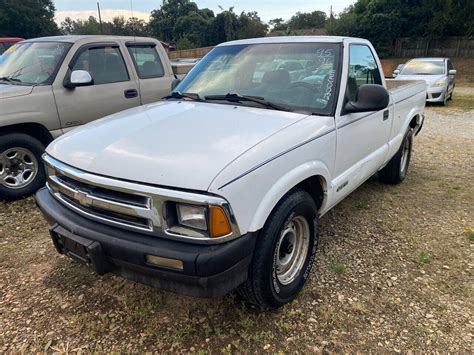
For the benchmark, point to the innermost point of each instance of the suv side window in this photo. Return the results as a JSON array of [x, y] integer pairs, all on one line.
[[2, 48], [363, 69], [147, 61], [105, 64]]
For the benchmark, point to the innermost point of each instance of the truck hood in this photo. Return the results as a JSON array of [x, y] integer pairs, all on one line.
[[429, 79], [169, 143], [11, 90]]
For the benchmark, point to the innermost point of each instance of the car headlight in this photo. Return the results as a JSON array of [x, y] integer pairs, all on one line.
[[200, 221], [440, 82], [192, 216]]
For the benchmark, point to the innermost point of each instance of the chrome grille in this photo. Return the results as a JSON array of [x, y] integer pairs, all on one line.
[[115, 206], [128, 205]]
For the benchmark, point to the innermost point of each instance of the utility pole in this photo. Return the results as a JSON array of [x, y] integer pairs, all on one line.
[[100, 19]]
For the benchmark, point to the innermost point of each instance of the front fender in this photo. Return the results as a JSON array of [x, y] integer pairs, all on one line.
[[285, 184]]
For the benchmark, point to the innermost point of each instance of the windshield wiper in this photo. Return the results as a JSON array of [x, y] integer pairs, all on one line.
[[10, 79], [182, 95], [239, 98]]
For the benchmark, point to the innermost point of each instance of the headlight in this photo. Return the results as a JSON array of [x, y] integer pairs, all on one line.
[[200, 221], [440, 82], [192, 216]]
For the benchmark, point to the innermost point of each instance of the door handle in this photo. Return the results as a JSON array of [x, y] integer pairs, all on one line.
[[385, 115], [130, 93]]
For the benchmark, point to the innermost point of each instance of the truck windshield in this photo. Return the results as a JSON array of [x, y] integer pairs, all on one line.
[[296, 76], [417, 67], [32, 63]]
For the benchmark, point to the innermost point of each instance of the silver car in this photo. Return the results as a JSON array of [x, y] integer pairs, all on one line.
[[439, 74]]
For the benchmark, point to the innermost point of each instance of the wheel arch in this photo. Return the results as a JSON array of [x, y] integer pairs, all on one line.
[[36, 130], [312, 177]]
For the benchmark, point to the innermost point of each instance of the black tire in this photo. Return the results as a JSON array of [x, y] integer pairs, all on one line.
[[263, 287], [393, 173], [29, 144]]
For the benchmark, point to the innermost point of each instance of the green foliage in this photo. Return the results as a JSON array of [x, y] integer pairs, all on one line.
[[185, 43], [183, 23], [27, 18], [383, 21], [118, 27], [301, 20]]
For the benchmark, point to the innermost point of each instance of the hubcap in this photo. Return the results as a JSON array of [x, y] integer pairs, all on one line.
[[293, 247], [18, 168], [405, 152]]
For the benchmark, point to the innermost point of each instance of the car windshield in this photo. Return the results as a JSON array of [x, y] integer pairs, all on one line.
[[275, 72], [417, 67], [32, 63]]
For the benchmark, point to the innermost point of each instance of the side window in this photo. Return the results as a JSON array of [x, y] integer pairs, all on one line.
[[147, 61], [2, 48], [105, 64], [363, 69], [450, 65]]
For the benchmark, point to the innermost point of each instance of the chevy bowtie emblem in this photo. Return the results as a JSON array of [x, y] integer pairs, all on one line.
[[83, 198]]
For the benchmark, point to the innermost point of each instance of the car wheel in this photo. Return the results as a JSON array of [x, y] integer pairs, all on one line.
[[396, 169], [21, 169], [284, 253]]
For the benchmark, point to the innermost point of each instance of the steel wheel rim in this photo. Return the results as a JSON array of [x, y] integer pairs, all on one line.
[[292, 248], [405, 152], [18, 168]]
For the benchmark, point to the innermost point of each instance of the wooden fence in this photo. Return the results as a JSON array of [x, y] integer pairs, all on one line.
[[434, 47]]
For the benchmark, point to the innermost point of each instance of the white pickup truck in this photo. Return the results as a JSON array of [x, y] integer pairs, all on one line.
[[50, 85], [221, 185]]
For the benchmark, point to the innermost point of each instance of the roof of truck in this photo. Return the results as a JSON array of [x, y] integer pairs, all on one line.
[[292, 39], [76, 38]]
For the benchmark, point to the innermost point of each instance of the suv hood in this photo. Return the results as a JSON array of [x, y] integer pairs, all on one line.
[[429, 79], [12, 90], [170, 143]]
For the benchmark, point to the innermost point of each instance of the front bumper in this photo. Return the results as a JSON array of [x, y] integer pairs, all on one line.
[[436, 94], [207, 270]]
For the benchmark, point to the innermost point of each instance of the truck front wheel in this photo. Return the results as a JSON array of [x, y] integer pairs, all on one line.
[[21, 169], [284, 253]]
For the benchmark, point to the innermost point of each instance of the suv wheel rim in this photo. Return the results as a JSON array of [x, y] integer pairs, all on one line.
[[292, 247], [18, 168]]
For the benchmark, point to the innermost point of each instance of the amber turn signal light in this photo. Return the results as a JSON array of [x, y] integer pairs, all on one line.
[[219, 224]]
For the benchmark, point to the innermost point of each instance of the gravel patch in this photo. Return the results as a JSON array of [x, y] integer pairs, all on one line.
[[393, 273]]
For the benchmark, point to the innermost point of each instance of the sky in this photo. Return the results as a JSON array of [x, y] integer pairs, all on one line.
[[267, 10]]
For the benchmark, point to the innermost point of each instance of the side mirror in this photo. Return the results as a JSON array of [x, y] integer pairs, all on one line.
[[175, 83], [395, 73], [452, 72], [79, 78], [370, 97]]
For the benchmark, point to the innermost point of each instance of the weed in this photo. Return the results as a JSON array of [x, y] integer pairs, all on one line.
[[338, 268], [423, 257], [469, 235]]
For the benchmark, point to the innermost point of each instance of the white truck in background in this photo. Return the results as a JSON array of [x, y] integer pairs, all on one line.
[[221, 185], [50, 85]]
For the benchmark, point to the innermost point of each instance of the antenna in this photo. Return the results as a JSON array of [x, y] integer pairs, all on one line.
[[100, 19]]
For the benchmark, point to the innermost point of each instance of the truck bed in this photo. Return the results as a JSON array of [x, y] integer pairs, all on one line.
[[401, 90]]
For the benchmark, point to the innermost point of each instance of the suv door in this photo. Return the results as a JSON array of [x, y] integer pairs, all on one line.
[[362, 137], [155, 82], [112, 90]]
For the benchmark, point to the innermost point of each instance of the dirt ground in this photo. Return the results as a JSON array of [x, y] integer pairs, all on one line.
[[394, 273]]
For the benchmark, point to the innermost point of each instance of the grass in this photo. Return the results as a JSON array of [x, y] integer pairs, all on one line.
[[339, 268], [469, 235], [423, 257], [459, 102]]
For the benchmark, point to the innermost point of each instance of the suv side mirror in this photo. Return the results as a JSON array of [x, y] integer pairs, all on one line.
[[79, 78], [452, 72], [395, 73], [370, 97]]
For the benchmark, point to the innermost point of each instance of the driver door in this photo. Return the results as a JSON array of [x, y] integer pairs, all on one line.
[[362, 137], [113, 89]]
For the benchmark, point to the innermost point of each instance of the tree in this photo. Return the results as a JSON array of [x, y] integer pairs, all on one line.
[[27, 18], [383, 21], [315, 19], [278, 24], [250, 26]]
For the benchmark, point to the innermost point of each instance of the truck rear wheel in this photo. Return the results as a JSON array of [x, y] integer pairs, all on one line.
[[396, 169], [284, 253], [21, 169]]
